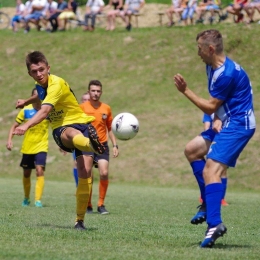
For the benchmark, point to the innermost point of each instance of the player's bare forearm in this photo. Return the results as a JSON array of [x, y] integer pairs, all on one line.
[[20, 103]]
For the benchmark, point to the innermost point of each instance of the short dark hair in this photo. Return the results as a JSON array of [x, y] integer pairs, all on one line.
[[212, 37], [34, 58], [94, 82]]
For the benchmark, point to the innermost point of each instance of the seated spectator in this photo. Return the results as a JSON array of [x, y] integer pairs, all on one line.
[[66, 14], [207, 5], [250, 9], [37, 8], [20, 9], [132, 7], [93, 8], [111, 15], [54, 18], [189, 11], [177, 7], [236, 9], [49, 10]]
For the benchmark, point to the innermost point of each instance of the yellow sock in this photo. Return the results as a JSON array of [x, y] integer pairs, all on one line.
[[82, 196], [27, 187], [82, 143], [90, 183], [39, 188]]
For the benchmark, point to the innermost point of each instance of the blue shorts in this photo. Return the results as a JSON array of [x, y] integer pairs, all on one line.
[[83, 128], [208, 134], [228, 144], [30, 160], [212, 7]]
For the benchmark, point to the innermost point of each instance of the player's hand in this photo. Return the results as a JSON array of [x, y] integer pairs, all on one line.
[[20, 103], [115, 152], [9, 145], [217, 125], [180, 83], [20, 130]]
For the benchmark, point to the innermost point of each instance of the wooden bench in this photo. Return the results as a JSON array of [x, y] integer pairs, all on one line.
[[160, 14]]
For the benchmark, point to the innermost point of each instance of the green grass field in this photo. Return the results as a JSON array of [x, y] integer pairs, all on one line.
[[153, 193]]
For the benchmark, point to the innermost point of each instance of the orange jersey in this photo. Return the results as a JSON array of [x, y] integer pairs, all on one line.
[[103, 120]]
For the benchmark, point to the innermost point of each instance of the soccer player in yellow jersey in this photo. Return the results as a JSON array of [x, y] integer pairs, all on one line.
[[103, 114], [71, 126], [34, 150]]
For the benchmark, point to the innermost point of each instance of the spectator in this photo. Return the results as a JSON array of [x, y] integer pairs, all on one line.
[[132, 7], [20, 8], [93, 8], [49, 10], [189, 11], [236, 9], [207, 5], [37, 8], [66, 14], [53, 19], [250, 9], [111, 15], [177, 7]]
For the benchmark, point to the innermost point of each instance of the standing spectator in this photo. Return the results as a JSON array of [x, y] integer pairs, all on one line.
[[132, 7], [103, 114], [34, 151], [231, 99], [37, 9], [50, 9], [177, 7], [93, 8], [111, 15], [20, 8], [66, 14], [54, 18]]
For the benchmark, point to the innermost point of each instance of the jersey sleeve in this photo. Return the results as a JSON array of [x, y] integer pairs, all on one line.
[[20, 117], [54, 94], [109, 119]]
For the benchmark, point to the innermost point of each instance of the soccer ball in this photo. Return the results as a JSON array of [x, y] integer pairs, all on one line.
[[125, 126]]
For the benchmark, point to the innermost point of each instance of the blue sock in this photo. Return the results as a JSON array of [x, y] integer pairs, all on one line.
[[197, 167], [75, 173], [213, 194], [224, 183]]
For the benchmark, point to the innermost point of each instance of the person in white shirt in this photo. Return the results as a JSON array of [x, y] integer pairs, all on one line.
[[93, 7], [50, 9], [20, 8]]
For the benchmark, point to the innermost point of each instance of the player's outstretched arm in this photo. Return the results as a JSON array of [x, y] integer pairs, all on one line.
[[9, 143], [36, 119], [113, 140], [20, 103]]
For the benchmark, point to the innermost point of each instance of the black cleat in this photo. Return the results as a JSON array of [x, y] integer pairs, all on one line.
[[212, 234], [89, 210], [93, 137], [102, 210], [79, 225], [200, 217]]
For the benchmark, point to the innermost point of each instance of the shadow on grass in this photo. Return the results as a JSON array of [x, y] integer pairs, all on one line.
[[221, 246], [65, 227]]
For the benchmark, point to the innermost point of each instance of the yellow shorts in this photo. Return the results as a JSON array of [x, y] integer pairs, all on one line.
[[67, 15]]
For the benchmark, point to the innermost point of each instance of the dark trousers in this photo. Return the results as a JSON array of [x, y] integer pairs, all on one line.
[[54, 22]]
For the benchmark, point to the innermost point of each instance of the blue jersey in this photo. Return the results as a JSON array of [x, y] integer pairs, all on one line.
[[208, 118], [231, 84]]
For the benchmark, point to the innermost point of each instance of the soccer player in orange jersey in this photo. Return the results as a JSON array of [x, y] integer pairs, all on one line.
[[102, 123]]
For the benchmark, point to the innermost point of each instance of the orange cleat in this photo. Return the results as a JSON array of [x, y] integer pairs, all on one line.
[[224, 203]]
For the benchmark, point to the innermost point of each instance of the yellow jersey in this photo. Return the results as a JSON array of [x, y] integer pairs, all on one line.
[[66, 110], [35, 138]]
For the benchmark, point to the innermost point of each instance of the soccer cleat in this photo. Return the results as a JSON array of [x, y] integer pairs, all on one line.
[[200, 217], [102, 210], [89, 210], [25, 202], [94, 142], [79, 225], [224, 203], [38, 204], [212, 234]]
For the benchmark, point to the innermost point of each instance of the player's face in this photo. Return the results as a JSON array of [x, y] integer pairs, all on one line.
[[85, 98], [40, 73], [204, 52], [95, 92]]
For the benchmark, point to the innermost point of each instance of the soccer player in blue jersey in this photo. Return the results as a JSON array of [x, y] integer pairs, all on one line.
[[34, 151], [231, 99], [72, 128]]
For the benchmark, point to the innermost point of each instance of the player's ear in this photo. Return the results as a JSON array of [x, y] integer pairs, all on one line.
[[48, 68]]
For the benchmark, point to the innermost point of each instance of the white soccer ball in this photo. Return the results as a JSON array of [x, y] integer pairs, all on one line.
[[125, 126]]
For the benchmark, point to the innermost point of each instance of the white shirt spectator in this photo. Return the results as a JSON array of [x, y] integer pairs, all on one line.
[[133, 4], [95, 5], [50, 7]]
